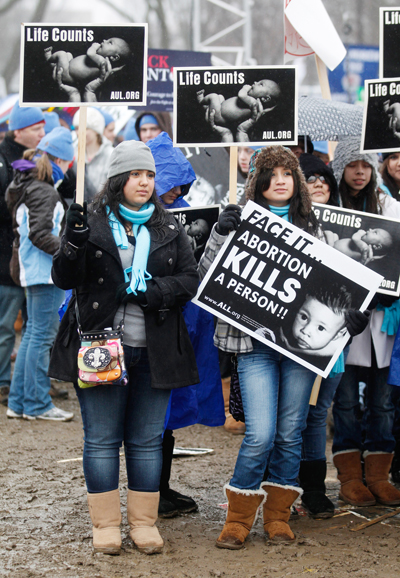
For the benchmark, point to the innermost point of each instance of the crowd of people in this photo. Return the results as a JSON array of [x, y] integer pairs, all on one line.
[[121, 260]]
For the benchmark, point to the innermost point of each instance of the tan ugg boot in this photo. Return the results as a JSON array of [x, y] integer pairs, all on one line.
[[142, 516], [231, 425], [277, 511], [377, 468], [352, 489], [105, 513], [242, 510]]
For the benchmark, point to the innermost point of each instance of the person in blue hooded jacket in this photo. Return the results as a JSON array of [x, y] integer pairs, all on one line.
[[175, 174], [201, 403]]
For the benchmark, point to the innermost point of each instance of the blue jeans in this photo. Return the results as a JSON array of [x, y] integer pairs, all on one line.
[[12, 299], [275, 392], [314, 436], [133, 414], [29, 390], [378, 416]]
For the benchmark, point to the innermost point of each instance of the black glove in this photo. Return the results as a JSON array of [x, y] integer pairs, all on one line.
[[386, 300], [356, 321], [77, 217], [123, 297], [229, 219]]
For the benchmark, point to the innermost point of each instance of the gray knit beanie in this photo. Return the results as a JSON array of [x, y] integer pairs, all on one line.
[[348, 151], [131, 155]]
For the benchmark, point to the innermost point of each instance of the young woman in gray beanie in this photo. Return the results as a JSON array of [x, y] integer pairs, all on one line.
[[127, 232], [358, 178]]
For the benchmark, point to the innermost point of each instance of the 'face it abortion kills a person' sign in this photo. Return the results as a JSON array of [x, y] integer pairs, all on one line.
[[83, 63], [286, 288], [241, 106], [372, 240]]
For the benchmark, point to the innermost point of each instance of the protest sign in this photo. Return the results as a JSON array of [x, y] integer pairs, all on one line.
[[295, 45], [381, 121], [83, 63], [389, 42], [286, 288], [347, 80], [245, 106], [160, 65], [197, 222], [372, 240], [311, 21], [212, 171]]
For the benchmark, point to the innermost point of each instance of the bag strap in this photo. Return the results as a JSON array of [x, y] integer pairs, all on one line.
[[121, 325]]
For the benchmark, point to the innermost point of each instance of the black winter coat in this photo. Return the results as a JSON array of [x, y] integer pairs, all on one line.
[[95, 271]]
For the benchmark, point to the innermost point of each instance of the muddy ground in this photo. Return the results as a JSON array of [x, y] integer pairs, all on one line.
[[45, 528]]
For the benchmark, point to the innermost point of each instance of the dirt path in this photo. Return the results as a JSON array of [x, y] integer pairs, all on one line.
[[45, 528]]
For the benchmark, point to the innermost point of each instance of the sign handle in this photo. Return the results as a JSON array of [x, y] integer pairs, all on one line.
[[315, 390], [233, 168], [326, 93], [80, 172]]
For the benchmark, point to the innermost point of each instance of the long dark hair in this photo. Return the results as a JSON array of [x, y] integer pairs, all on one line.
[[298, 214], [367, 200], [112, 194], [389, 180]]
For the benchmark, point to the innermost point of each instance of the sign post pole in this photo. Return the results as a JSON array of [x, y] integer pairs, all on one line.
[[80, 173], [233, 164]]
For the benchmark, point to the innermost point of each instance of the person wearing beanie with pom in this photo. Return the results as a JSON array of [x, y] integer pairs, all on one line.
[[37, 211], [126, 259], [359, 180], [25, 129], [98, 148]]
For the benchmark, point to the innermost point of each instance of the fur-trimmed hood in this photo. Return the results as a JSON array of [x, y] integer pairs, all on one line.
[[276, 156]]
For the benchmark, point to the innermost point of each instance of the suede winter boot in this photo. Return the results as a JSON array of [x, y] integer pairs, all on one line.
[[142, 516], [312, 479], [105, 513], [242, 510], [231, 425], [377, 468], [395, 469], [352, 489], [277, 511]]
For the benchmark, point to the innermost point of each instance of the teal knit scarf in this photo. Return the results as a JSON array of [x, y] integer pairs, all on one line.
[[137, 218], [281, 211]]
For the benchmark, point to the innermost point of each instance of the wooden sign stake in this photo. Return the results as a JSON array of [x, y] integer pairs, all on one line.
[[326, 93], [80, 172], [315, 390], [233, 168]]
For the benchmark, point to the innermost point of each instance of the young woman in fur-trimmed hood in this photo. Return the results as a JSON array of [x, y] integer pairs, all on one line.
[[275, 389]]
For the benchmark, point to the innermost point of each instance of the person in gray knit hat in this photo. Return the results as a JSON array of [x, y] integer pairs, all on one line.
[[275, 409], [357, 176], [131, 264]]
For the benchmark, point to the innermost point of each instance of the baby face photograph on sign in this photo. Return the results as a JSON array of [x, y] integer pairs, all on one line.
[[197, 222], [381, 122], [248, 105], [83, 63], [372, 240], [286, 288]]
